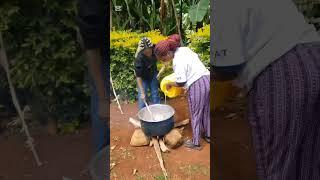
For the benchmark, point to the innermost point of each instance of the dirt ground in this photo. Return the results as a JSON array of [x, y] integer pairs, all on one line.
[[233, 155], [181, 163], [66, 155]]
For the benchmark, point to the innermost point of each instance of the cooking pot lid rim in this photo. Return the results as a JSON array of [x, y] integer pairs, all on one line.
[[165, 105]]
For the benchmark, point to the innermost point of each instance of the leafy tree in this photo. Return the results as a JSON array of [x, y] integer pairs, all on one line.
[[46, 59]]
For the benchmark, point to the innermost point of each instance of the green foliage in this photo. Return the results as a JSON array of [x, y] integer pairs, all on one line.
[[123, 48], [7, 11], [200, 42], [45, 57], [122, 71], [68, 127], [144, 16], [135, 14], [198, 11]]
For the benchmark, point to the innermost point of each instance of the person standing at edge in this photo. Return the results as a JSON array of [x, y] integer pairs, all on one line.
[[94, 27], [274, 55]]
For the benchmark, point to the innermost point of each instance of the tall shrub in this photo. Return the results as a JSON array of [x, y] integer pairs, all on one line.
[[200, 43], [41, 41]]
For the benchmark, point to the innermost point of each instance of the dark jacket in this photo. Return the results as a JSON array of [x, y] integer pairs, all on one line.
[[145, 67], [93, 23]]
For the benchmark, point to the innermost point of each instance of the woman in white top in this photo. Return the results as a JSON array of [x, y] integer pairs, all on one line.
[[195, 77], [276, 56]]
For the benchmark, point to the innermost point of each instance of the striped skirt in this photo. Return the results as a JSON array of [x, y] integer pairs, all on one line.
[[199, 107], [284, 115]]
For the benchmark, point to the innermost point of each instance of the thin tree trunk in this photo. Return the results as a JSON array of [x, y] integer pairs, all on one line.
[[4, 63], [129, 13], [181, 17], [110, 15], [177, 20], [162, 15]]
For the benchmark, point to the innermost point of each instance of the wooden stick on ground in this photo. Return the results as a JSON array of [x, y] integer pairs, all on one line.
[[181, 123], [5, 64], [114, 92], [163, 147], [136, 123], [158, 152]]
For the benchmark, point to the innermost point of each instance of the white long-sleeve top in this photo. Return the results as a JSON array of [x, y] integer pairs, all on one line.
[[188, 67]]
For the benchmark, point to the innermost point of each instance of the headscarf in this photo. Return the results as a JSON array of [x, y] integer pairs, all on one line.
[[170, 44], [143, 44]]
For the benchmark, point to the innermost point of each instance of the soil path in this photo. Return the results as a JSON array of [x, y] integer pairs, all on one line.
[[233, 154], [63, 156], [181, 163]]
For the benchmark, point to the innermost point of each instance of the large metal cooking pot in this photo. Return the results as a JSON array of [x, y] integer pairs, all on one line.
[[162, 123]]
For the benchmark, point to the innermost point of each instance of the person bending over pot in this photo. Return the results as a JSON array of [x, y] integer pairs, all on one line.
[[146, 73], [190, 73]]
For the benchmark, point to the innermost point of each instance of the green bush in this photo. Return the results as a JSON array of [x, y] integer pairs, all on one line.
[[45, 56], [123, 48], [200, 43]]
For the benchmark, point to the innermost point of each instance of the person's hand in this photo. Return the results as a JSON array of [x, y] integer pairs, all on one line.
[[185, 92], [168, 86], [103, 110]]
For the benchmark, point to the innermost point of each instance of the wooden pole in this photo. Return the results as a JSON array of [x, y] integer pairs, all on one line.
[[156, 146], [5, 64], [110, 9], [177, 21], [114, 92]]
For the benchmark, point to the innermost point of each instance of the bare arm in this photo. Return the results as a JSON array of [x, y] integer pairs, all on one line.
[[139, 82]]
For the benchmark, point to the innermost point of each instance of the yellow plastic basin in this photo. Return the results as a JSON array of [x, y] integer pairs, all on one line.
[[174, 91]]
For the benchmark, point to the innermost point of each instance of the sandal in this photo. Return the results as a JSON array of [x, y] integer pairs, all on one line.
[[189, 144], [207, 139]]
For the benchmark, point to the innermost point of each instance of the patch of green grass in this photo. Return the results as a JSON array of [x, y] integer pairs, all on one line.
[[160, 177], [194, 169], [139, 178]]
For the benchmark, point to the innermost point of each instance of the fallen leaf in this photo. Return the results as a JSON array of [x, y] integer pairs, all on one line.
[[112, 165], [135, 171], [113, 147]]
